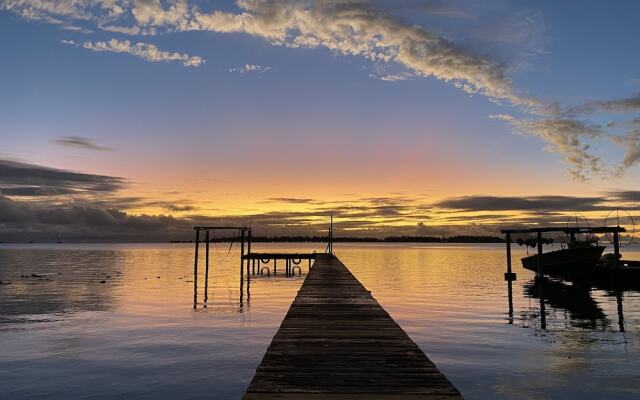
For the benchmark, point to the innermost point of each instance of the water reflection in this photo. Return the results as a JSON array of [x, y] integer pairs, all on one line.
[[43, 285], [137, 336], [571, 302]]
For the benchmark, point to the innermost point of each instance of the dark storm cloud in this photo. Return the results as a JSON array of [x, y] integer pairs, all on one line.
[[534, 203], [625, 195], [20, 176], [82, 221], [80, 142], [32, 191]]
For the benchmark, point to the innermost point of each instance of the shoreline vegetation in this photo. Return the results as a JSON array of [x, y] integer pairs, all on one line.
[[346, 239]]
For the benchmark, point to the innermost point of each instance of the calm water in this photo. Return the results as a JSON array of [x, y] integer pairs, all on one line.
[[65, 335]]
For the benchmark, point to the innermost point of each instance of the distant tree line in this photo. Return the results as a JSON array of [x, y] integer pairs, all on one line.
[[390, 239]]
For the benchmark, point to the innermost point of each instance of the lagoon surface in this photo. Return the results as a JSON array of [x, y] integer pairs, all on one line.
[[65, 335]]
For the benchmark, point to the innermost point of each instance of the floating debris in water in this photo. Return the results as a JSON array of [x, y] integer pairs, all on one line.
[[103, 281]]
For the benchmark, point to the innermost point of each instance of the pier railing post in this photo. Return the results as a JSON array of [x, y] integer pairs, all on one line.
[[195, 271], [206, 270], [616, 248], [509, 275], [540, 266], [241, 265]]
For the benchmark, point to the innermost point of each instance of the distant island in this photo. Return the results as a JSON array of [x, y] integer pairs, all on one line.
[[388, 239]]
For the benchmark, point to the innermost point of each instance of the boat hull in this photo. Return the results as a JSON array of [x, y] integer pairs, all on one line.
[[574, 261]]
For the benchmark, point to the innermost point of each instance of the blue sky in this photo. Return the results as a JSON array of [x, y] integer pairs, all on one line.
[[261, 106]]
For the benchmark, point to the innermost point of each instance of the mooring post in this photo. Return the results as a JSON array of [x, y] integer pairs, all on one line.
[[616, 248], [195, 271], [248, 259], [620, 311], [510, 299], [543, 310], [241, 265], [206, 270], [509, 276], [248, 249], [539, 241]]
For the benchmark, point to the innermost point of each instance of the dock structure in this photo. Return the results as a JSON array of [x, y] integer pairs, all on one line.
[[291, 262], [337, 342]]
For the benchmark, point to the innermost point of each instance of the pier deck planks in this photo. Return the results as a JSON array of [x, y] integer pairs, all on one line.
[[337, 342]]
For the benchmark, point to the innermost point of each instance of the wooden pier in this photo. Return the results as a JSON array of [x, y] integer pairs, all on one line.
[[337, 342]]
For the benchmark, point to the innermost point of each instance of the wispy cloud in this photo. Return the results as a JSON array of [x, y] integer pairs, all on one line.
[[247, 68], [145, 51], [80, 142], [358, 28], [18, 176]]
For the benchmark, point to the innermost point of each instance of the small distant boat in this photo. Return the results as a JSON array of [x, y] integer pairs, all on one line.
[[578, 258]]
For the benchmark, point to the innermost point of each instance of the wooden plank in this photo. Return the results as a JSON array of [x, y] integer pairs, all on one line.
[[336, 342]]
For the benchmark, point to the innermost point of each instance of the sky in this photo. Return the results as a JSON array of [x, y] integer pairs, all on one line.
[[137, 119]]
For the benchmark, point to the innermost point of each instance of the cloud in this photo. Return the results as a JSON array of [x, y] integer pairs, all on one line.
[[625, 195], [16, 176], [628, 104], [145, 51], [292, 200], [361, 28], [247, 68], [534, 203], [564, 136], [80, 142]]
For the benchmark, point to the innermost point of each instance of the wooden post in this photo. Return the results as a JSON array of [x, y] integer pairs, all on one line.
[[509, 275], [616, 248], [248, 252], [241, 265], [620, 311], [206, 270], [195, 271], [540, 266], [543, 310], [510, 299]]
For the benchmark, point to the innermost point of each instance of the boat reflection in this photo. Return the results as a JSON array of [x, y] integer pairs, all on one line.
[[571, 303]]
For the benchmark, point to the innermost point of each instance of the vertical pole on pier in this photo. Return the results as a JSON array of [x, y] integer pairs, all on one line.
[[241, 265], [616, 248], [543, 311], [509, 275], [510, 300], [195, 271], [248, 262], [539, 241], [206, 270], [620, 311], [539, 275], [331, 236]]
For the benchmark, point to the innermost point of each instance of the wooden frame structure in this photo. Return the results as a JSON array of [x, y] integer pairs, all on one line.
[[571, 231], [245, 236]]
